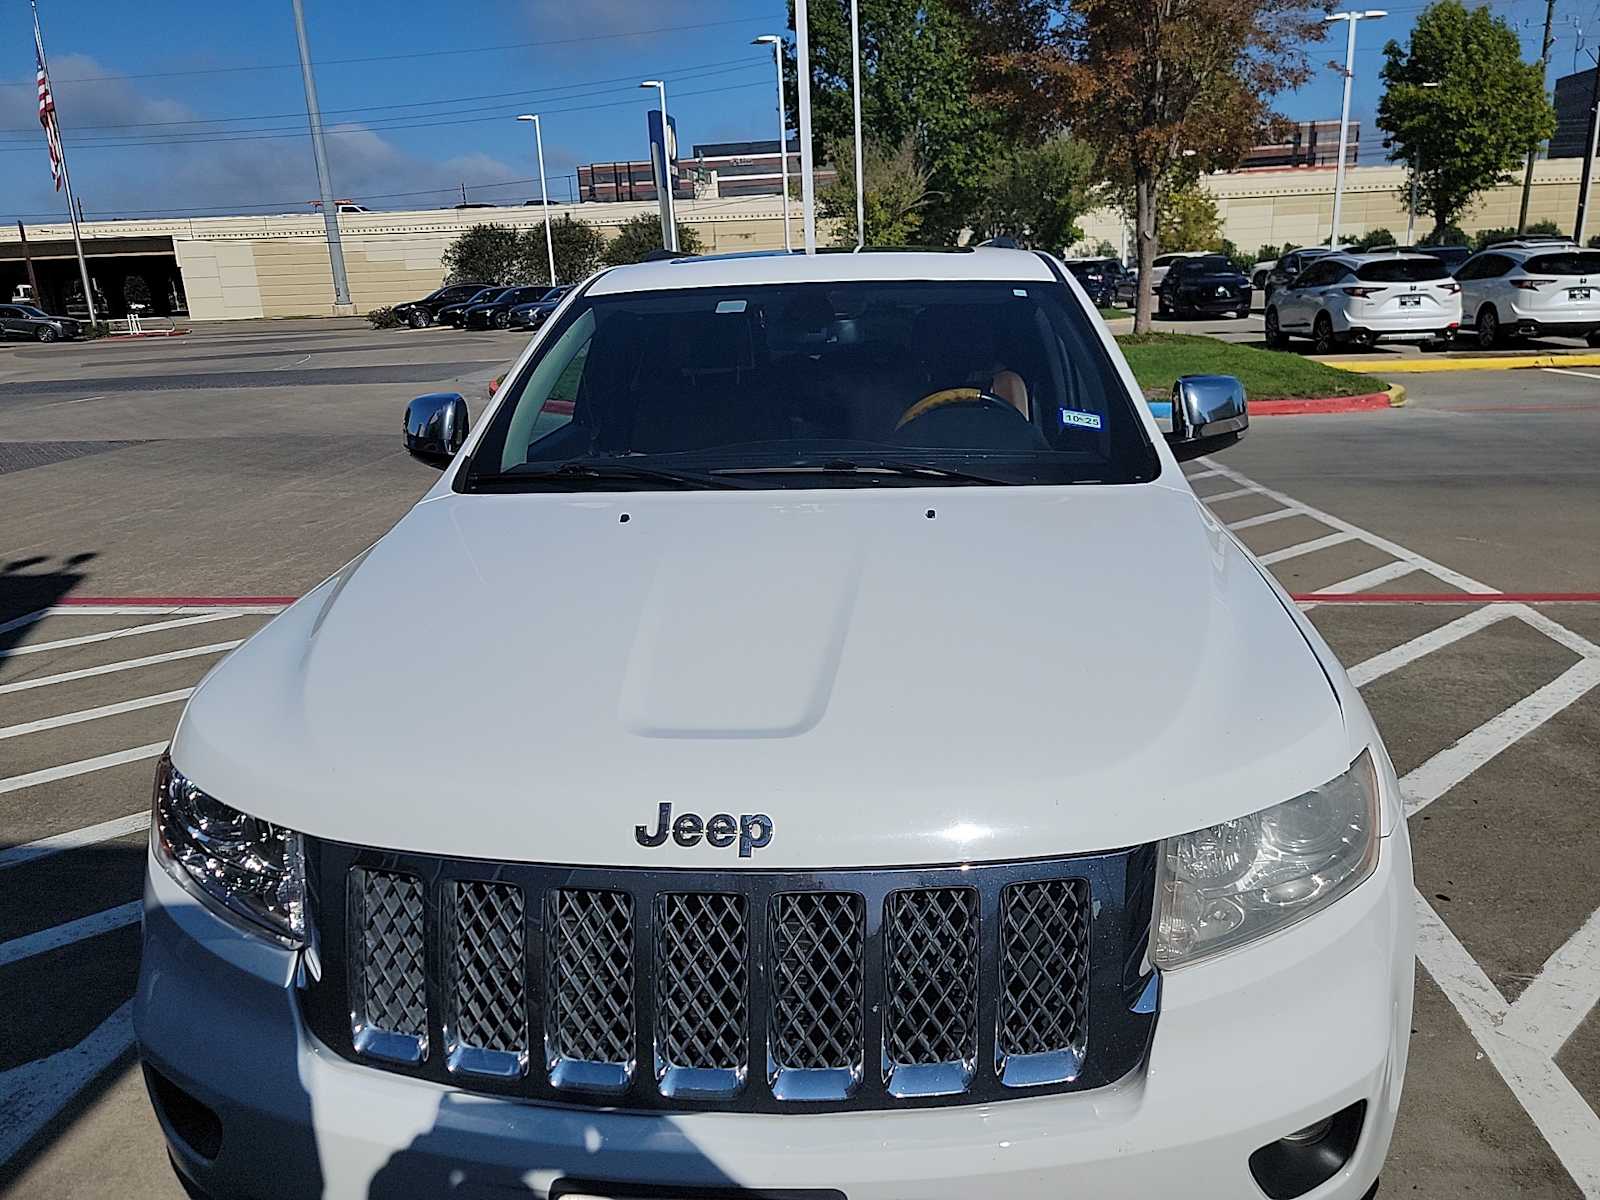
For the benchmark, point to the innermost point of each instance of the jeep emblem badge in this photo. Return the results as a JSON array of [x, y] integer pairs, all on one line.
[[752, 830]]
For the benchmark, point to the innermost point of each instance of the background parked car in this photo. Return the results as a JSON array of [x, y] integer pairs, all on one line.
[[1163, 264], [495, 314], [1289, 266], [451, 314], [1126, 294], [1451, 256], [1530, 288], [1366, 298], [531, 316], [1098, 276], [418, 313], [1207, 284], [23, 320], [1259, 273]]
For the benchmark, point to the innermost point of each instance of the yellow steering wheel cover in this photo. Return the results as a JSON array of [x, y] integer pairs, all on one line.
[[928, 403]]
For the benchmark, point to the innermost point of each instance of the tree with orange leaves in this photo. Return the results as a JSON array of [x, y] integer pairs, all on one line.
[[1160, 88]]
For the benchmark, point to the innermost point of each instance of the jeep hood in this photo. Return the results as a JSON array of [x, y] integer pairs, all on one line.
[[895, 677]]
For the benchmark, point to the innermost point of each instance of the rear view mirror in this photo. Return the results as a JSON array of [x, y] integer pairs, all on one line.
[[1209, 413], [436, 426]]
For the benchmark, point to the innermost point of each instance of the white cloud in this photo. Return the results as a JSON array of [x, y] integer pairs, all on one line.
[[218, 175]]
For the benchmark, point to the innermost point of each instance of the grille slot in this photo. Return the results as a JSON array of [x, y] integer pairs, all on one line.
[[486, 1023], [1043, 1014], [701, 982], [388, 986], [930, 1025], [589, 1028], [817, 983]]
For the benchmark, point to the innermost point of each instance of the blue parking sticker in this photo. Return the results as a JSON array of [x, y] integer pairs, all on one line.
[[1083, 420]]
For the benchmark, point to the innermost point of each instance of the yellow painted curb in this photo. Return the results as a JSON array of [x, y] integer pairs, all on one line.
[[1498, 362], [1397, 395]]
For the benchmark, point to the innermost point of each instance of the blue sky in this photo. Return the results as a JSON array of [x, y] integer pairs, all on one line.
[[132, 79]]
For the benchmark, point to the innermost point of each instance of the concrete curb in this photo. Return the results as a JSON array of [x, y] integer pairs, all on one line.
[[1497, 362], [1392, 397]]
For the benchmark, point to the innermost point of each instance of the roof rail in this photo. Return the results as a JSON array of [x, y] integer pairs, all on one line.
[[1533, 239]]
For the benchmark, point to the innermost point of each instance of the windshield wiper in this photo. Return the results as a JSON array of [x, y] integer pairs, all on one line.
[[867, 466], [607, 471]]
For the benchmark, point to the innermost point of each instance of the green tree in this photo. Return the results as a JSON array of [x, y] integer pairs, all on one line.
[[1036, 194], [893, 201], [1189, 221], [1103, 249], [135, 291], [578, 248], [1469, 132], [641, 237], [485, 254], [918, 71], [1448, 235], [1157, 87], [1372, 240]]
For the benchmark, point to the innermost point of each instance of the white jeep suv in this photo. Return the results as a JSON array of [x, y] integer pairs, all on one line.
[[1364, 299], [1532, 287], [809, 742]]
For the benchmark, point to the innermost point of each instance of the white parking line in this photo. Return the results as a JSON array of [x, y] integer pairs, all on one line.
[[32, 1095], [112, 635], [1422, 786], [131, 664], [74, 839], [1311, 547], [83, 766], [1370, 579], [58, 936], [1567, 987], [1570, 371], [1263, 519], [25, 619], [1232, 495], [1380, 665], [94, 714]]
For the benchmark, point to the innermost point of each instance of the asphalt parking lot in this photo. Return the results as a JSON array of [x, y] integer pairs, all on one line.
[[159, 500]]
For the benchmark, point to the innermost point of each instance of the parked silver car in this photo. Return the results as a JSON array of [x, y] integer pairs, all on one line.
[[26, 321]]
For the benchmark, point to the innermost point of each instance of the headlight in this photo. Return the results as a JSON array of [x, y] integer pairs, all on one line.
[[1229, 884], [247, 869]]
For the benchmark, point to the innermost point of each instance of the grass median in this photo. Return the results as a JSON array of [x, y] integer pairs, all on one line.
[[1158, 359]]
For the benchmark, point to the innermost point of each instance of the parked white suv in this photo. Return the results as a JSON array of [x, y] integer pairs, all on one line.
[[1532, 287], [810, 740], [1364, 299]]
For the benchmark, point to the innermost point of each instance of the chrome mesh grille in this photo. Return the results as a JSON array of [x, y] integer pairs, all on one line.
[[817, 969], [1044, 967], [391, 964], [487, 990], [701, 980], [591, 975], [931, 956]]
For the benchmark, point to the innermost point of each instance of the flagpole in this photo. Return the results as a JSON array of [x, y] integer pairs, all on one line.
[[66, 176]]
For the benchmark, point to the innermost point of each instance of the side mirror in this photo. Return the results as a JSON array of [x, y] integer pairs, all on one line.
[[436, 426], [1209, 413]]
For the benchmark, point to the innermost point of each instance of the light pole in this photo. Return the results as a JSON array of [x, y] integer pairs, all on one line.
[[319, 153], [783, 128], [669, 221], [544, 196], [802, 52], [1344, 113], [855, 99], [1411, 211]]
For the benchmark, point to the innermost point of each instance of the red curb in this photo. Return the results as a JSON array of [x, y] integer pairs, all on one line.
[[171, 601], [1325, 404], [1447, 598]]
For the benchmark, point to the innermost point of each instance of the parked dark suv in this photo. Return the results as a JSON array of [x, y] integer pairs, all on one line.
[[496, 313], [418, 313], [1098, 276], [1288, 267], [24, 320], [1209, 284]]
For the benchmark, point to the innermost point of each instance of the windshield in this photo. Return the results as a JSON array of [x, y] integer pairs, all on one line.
[[1565, 262], [817, 385], [1212, 264], [1402, 270]]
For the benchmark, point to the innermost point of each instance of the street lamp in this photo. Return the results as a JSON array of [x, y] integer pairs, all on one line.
[[544, 196], [669, 222], [776, 43], [1411, 214], [1352, 18], [855, 100]]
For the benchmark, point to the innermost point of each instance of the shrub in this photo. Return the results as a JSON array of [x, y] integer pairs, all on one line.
[[384, 318]]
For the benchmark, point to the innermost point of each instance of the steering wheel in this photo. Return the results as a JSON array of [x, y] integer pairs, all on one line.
[[948, 396]]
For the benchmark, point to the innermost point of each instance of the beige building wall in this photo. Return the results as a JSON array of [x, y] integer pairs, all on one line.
[[219, 279]]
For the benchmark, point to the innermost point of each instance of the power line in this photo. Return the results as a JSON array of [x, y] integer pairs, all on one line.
[[594, 37]]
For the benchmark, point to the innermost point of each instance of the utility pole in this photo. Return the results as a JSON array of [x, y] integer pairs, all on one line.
[[330, 211], [1533, 151], [808, 197], [1588, 158], [1352, 18], [27, 257], [855, 99], [776, 43], [544, 195]]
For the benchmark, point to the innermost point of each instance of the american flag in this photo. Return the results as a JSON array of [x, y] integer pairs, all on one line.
[[47, 110]]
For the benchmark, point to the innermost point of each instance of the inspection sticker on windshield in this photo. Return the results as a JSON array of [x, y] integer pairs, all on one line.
[[730, 306], [1083, 420]]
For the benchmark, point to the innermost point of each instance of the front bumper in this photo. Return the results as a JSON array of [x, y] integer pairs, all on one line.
[[1200, 302], [1248, 1048]]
